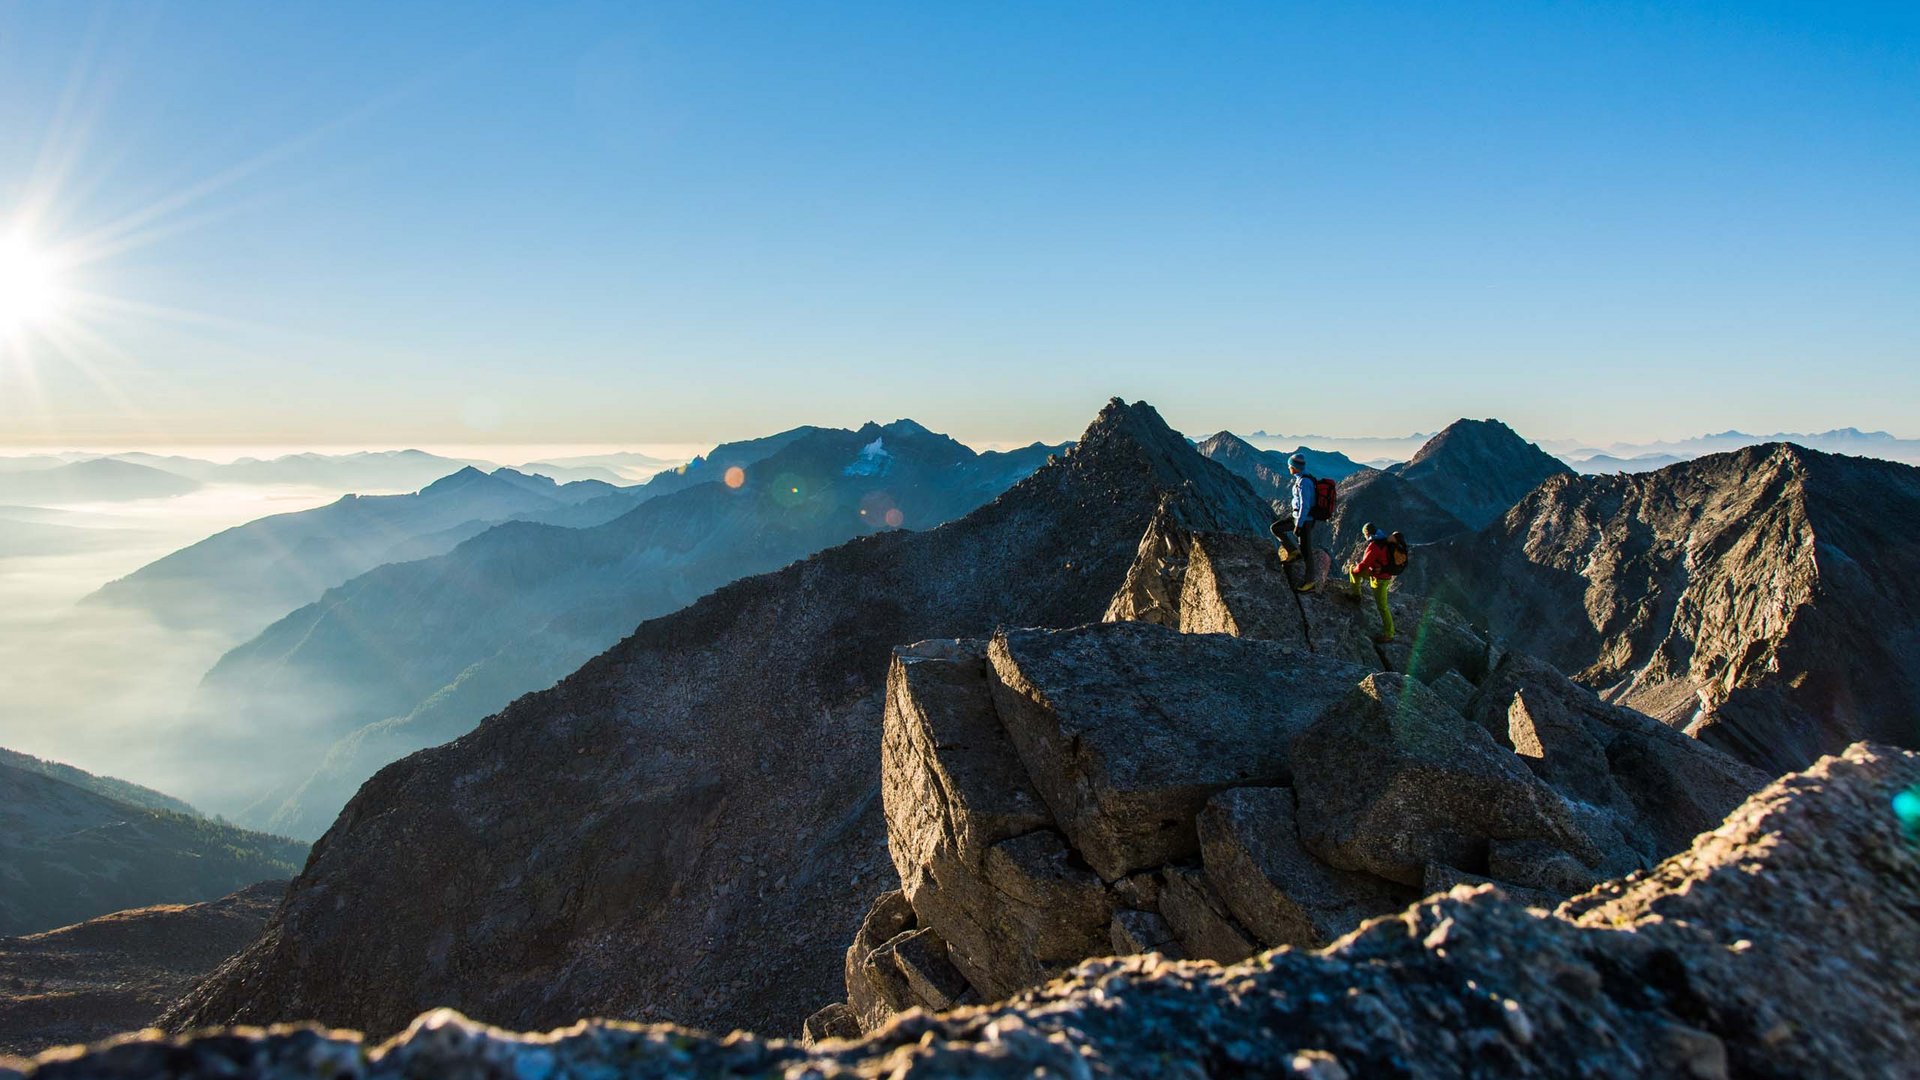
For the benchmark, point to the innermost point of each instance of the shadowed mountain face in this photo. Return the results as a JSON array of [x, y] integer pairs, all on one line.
[[1266, 470], [1764, 599], [689, 826], [1477, 469], [105, 786], [68, 853], [117, 972], [244, 578], [1391, 503], [413, 654]]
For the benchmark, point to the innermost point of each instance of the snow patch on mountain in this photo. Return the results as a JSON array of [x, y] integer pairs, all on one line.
[[873, 460]]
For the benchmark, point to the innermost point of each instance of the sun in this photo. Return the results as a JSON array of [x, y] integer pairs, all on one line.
[[32, 290]]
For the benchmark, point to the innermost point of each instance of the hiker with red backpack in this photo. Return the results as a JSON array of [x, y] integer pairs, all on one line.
[[1313, 503], [1382, 561]]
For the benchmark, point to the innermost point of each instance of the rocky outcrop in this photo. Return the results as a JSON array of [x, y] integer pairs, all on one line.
[[1785, 943], [1206, 582], [690, 827], [1052, 795], [1397, 780], [1126, 733], [1762, 600], [1477, 470], [115, 973]]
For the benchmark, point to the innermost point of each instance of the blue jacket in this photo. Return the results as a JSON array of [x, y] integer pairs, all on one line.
[[1302, 498]]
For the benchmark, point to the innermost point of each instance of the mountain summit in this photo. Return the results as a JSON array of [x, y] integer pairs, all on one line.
[[1477, 469]]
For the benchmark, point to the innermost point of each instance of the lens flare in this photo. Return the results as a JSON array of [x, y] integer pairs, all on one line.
[[736, 476], [789, 491], [1906, 807]]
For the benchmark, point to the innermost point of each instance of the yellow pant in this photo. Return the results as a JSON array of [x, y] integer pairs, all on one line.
[[1379, 587]]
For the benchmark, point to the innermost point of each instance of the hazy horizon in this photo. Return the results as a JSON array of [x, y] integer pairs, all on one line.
[[511, 453]]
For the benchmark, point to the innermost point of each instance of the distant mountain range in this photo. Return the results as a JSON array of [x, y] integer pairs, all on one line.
[[74, 846], [99, 480], [80, 477], [244, 578], [1619, 456], [1646, 457], [414, 653]]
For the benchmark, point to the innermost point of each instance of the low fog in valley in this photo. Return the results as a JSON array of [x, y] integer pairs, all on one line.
[[98, 686]]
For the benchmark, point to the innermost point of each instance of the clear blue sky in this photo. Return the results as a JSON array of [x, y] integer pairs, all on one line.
[[634, 221]]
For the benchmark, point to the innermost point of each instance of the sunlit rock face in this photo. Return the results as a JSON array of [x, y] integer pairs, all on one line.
[[1763, 600], [1152, 783], [690, 826], [1784, 943]]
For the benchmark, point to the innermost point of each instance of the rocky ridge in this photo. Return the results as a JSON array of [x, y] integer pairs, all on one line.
[[1760, 599], [1223, 767], [117, 972], [1783, 943]]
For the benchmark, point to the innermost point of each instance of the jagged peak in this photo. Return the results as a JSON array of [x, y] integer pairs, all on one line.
[[1226, 441], [1140, 424], [1131, 438], [1464, 441]]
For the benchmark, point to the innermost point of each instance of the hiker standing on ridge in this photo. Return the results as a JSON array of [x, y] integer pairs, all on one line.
[[1313, 502], [1385, 556]]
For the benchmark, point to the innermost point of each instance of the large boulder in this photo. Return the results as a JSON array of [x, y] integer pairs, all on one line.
[[876, 989], [1285, 896], [953, 789], [1395, 779], [1199, 919], [892, 966], [1210, 583], [1126, 729], [1657, 787]]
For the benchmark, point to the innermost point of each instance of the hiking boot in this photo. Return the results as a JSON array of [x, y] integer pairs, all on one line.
[[1285, 556], [1307, 588]]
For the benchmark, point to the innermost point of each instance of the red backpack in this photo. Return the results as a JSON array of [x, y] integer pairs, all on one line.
[[1326, 496]]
